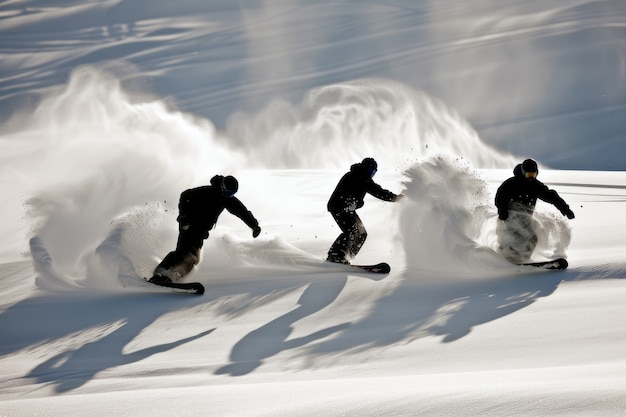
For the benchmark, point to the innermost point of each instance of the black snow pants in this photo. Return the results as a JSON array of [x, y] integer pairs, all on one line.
[[178, 263], [352, 237]]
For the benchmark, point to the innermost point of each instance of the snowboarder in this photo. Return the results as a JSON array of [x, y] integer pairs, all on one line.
[[347, 197], [515, 201], [198, 210]]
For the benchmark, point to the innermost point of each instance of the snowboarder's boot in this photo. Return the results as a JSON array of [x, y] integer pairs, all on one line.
[[159, 280], [337, 258]]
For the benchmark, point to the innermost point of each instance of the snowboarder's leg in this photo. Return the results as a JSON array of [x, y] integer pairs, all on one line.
[[352, 237], [516, 237], [177, 264], [339, 248], [358, 234]]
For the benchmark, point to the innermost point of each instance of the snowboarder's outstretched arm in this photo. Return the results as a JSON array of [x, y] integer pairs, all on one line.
[[552, 197], [380, 193], [237, 208]]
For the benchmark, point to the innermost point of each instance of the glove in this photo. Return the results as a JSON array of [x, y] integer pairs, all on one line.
[[256, 231], [503, 214], [568, 213]]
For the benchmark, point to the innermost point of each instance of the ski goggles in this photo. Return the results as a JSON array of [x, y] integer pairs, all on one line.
[[530, 175]]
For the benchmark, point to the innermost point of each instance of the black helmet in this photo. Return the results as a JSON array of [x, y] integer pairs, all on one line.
[[370, 166], [230, 185], [529, 168]]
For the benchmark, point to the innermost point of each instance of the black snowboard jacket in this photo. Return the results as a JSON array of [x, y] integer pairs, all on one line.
[[524, 193], [351, 190], [200, 207]]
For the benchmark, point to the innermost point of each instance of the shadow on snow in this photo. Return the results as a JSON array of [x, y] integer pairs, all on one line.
[[449, 307]]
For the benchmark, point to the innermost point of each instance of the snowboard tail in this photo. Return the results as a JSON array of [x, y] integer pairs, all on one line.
[[557, 264]]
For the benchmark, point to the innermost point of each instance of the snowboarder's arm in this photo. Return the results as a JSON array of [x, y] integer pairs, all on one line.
[[380, 193], [502, 201], [552, 197], [236, 207]]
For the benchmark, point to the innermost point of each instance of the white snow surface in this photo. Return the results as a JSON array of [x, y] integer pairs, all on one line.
[[111, 108]]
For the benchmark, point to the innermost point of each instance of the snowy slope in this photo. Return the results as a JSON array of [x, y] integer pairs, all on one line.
[[277, 335], [111, 108]]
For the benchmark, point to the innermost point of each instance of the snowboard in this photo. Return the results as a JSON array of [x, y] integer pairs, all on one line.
[[187, 287], [381, 268], [556, 264]]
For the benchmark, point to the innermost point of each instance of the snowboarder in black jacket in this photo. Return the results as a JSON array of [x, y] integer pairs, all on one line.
[[198, 211], [516, 197], [347, 197]]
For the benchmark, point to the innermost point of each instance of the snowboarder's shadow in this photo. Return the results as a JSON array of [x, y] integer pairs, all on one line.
[[69, 310], [73, 368], [487, 303], [481, 302], [57, 321], [448, 308], [272, 338]]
